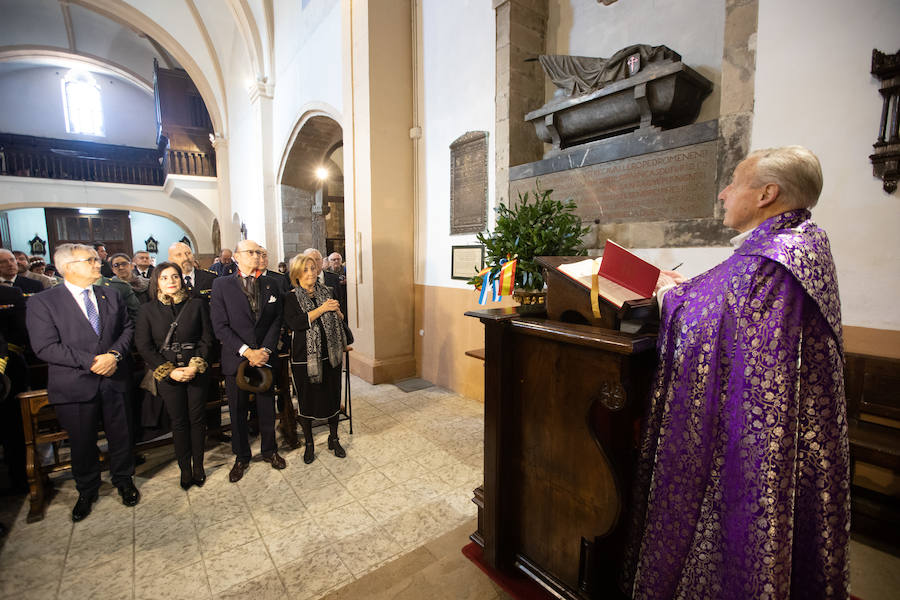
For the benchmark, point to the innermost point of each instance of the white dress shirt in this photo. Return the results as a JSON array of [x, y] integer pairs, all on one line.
[[78, 294]]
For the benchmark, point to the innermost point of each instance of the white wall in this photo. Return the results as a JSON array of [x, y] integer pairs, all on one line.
[[31, 97], [813, 88], [163, 230], [458, 97], [693, 28], [23, 225], [25, 222]]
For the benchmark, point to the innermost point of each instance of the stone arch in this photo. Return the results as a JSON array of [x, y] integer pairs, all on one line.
[[304, 199]]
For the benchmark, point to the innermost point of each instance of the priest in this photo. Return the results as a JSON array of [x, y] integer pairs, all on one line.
[[743, 478]]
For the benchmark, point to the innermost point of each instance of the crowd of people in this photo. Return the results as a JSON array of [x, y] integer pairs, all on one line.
[[90, 315]]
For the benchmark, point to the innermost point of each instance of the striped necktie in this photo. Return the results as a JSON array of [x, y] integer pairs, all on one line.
[[92, 314]]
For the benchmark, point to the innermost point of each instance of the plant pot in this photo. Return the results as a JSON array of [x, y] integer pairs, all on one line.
[[529, 297]]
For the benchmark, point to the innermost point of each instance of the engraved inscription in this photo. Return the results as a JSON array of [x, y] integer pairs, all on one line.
[[672, 184], [468, 183]]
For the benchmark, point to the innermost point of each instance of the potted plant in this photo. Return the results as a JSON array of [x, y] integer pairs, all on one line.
[[536, 225]]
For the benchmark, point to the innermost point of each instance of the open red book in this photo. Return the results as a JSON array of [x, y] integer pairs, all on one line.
[[621, 275]]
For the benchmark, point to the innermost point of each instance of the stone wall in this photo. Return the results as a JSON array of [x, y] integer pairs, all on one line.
[[297, 229]]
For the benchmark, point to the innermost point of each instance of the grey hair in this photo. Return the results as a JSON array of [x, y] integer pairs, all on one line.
[[65, 253], [796, 171]]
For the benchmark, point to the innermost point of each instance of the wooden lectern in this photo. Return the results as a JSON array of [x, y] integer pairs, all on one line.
[[562, 409], [570, 302]]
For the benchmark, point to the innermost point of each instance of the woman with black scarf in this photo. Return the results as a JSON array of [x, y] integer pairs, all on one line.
[[173, 333], [318, 343]]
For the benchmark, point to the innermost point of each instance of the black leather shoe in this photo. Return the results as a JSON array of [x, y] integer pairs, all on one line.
[[83, 506], [309, 454], [334, 444], [275, 460], [130, 494], [237, 471], [186, 483], [199, 477]]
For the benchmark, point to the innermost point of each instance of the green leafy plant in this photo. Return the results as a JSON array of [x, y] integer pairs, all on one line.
[[536, 225]]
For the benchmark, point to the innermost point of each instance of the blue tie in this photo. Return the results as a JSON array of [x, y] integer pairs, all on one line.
[[92, 314]]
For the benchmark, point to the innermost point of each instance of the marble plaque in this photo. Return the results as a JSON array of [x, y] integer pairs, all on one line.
[[469, 183], [672, 184]]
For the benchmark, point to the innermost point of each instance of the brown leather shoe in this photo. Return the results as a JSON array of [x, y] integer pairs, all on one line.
[[275, 460], [237, 471]]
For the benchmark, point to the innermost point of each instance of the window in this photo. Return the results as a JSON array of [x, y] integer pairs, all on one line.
[[81, 103]]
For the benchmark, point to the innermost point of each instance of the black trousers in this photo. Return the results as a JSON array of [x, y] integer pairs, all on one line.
[[186, 405], [238, 404], [80, 419]]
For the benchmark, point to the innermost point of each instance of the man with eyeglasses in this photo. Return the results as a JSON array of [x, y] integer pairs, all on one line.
[[246, 314], [84, 334]]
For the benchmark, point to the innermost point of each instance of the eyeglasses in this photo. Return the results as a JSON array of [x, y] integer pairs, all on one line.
[[120, 264], [93, 260]]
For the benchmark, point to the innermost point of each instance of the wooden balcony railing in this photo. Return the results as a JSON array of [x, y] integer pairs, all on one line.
[[28, 156], [185, 162]]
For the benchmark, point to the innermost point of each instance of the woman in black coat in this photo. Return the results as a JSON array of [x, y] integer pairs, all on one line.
[[318, 343], [179, 366]]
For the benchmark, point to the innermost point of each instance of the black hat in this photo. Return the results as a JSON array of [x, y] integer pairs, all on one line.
[[253, 379]]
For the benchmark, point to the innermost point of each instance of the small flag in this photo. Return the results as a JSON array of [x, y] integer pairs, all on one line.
[[507, 277]]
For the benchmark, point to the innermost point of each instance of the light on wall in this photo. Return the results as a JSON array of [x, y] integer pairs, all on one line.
[[321, 173], [88, 211]]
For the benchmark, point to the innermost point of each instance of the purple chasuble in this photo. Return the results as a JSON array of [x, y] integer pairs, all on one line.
[[742, 488]]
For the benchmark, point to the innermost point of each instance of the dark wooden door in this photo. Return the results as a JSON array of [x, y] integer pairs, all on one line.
[[112, 227]]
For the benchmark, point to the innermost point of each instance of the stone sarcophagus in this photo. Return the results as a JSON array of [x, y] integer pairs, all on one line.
[[640, 87]]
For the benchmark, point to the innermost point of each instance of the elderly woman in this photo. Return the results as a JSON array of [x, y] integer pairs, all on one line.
[[174, 335], [318, 343]]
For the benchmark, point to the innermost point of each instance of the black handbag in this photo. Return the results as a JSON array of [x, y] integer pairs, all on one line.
[[148, 383]]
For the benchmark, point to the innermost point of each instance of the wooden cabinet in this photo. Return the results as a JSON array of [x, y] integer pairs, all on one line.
[[563, 404]]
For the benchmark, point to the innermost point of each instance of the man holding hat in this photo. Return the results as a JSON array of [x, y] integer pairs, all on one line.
[[246, 313]]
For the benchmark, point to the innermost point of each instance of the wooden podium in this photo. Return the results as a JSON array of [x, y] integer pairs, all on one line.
[[561, 417]]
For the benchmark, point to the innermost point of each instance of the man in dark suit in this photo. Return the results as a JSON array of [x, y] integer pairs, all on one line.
[[226, 264], [9, 274], [280, 280], [142, 266], [84, 334], [105, 269], [246, 314], [198, 282], [13, 341]]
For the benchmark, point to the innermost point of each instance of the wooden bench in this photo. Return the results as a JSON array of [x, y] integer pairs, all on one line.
[[872, 386], [41, 427]]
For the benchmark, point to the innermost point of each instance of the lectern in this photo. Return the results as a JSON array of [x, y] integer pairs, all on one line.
[[562, 409]]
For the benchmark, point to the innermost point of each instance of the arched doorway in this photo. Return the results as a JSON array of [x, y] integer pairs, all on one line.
[[312, 189]]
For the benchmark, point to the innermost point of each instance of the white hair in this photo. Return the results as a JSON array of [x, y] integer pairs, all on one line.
[[796, 171], [65, 253]]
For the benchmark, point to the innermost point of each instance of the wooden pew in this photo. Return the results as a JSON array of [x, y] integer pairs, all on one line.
[[872, 386], [41, 427]]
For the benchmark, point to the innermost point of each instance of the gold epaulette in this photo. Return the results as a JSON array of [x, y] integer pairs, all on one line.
[[15, 348]]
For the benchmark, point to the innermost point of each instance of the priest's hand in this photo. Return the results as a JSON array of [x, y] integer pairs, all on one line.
[[668, 279]]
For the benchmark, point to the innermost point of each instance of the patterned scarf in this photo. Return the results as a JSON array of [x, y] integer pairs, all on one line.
[[335, 340]]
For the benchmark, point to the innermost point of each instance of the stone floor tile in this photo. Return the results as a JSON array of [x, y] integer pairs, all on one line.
[[226, 535], [295, 541], [327, 498], [314, 574], [367, 483], [113, 580], [185, 583], [237, 565], [366, 549], [267, 586], [346, 520]]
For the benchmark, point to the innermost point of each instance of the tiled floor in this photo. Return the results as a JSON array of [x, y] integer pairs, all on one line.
[[403, 492], [412, 463]]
